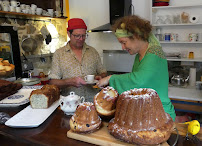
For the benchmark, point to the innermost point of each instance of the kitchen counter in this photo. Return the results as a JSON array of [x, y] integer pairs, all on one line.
[[186, 93], [186, 99], [54, 132]]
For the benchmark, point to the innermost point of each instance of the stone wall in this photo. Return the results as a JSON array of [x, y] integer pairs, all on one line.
[[40, 57], [32, 29]]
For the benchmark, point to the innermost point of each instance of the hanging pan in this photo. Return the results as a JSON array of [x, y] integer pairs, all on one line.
[[29, 44]]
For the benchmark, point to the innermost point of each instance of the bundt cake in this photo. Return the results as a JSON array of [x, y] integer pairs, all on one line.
[[140, 118], [85, 119], [105, 101]]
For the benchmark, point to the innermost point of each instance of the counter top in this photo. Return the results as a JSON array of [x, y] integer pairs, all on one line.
[[185, 93], [54, 132]]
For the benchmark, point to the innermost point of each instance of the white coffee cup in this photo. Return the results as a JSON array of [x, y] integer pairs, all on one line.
[[23, 6], [5, 8], [39, 11], [12, 9], [69, 103], [18, 9], [25, 11], [89, 78], [1, 2], [27, 6], [33, 11], [33, 6], [14, 3], [51, 12], [6, 2]]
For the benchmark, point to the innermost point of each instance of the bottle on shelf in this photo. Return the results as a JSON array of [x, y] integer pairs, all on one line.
[[158, 34]]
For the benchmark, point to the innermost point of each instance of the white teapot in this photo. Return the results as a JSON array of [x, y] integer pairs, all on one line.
[[69, 103]]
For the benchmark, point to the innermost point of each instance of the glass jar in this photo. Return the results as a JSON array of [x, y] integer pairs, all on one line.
[[159, 20], [168, 20]]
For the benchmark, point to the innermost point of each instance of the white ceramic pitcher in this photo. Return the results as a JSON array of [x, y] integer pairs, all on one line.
[[69, 103]]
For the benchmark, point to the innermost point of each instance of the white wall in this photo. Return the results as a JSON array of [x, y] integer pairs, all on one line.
[[96, 13], [142, 8]]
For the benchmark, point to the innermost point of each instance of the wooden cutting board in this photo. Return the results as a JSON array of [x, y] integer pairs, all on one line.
[[101, 137]]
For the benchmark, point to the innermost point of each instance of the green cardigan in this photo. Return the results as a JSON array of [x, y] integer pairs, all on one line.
[[150, 72]]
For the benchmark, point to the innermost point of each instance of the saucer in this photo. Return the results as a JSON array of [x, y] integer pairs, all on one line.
[[69, 113], [94, 82]]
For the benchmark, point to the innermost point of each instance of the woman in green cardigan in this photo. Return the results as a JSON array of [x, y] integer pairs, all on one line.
[[150, 68]]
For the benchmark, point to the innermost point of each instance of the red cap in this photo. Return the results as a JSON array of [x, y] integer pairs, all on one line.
[[76, 23]]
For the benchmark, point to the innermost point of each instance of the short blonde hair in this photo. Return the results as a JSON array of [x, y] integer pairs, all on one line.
[[139, 27]]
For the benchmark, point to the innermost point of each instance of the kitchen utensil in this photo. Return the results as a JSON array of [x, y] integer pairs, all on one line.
[[28, 81], [179, 80], [193, 127], [26, 65], [29, 44], [4, 117]]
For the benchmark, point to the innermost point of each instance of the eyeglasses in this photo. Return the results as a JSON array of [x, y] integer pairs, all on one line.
[[77, 37]]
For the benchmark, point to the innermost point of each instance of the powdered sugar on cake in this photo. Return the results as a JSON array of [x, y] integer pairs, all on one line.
[[140, 93]]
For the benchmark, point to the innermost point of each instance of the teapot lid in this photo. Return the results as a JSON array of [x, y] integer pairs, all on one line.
[[72, 95]]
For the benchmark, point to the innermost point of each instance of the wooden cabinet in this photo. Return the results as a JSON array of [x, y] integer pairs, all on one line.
[[189, 106]]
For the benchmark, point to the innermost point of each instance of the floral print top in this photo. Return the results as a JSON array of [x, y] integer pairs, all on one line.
[[65, 65]]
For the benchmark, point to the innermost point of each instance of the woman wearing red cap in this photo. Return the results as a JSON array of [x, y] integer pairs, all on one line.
[[74, 61]]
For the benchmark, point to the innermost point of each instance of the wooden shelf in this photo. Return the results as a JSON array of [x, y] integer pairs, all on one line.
[[25, 16]]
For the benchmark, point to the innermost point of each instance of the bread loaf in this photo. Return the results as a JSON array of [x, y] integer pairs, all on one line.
[[43, 98], [8, 88]]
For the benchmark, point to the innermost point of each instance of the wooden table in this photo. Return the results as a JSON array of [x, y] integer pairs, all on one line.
[[54, 132]]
